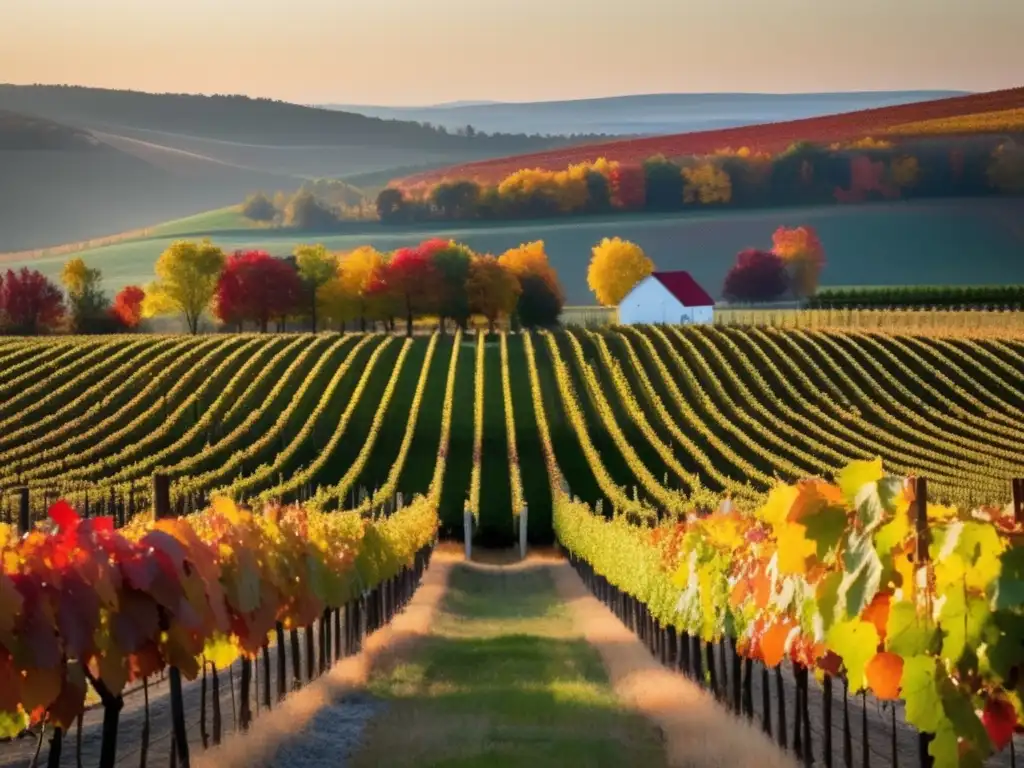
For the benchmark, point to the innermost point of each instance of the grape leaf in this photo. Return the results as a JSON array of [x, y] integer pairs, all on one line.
[[962, 620], [856, 642], [12, 723], [773, 642], [907, 634], [959, 708], [921, 693], [874, 502], [828, 596], [10, 607], [221, 651], [883, 674], [878, 613], [863, 574], [1010, 584], [825, 528], [1000, 719], [857, 474], [776, 507], [793, 548]]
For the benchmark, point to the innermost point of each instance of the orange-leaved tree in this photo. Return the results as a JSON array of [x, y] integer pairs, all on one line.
[[615, 268], [804, 256]]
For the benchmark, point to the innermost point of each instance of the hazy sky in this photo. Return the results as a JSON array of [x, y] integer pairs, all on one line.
[[430, 51]]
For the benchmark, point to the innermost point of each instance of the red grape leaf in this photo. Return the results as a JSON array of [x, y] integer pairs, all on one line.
[[1000, 720], [64, 515]]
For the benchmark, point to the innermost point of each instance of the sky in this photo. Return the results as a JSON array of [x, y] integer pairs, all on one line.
[[415, 52]]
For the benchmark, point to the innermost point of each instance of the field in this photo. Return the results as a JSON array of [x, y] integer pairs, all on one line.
[[772, 137], [880, 244], [349, 421], [605, 441]]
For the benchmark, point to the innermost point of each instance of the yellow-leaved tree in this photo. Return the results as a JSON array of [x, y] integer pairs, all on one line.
[[316, 266], [804, 257], [186, 281], [706, 183], [616, 267], [357, 272]]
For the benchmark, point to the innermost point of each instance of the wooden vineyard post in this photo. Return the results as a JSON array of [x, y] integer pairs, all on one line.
[[467, 531], [522, 529], [162, 509], [1018, 500], [920, 561], [24, 518]]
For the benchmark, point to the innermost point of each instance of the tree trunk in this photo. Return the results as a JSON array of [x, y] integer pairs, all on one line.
[[440, 324], [391, 323], [362, 323], [408, 323], [490, 325], [312, 309], [263, 325]]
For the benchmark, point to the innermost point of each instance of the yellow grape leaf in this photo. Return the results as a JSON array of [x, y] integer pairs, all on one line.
[[793, 548], [221, 651], [904, 566], [855, 642], [857, 474], [776, 507], [7, 536], [222, 505], [682, 576], [941, 512]]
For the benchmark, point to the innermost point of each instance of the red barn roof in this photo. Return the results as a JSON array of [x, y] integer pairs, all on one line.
[[685, 288]]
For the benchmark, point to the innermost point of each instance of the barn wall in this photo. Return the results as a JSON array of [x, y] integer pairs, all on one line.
[[650, 302]]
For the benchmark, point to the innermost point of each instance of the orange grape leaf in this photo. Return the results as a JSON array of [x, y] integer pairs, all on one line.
[[739, 592], [883, 673], [762, 590], [773, 642], [877, 613]]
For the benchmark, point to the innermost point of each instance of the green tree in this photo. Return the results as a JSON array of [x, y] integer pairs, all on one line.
[[316, 266], [87, 301], [451, 263], [187, 275], [663, 181], [259, 207], [456, 199], [304, 211], [391, 205]]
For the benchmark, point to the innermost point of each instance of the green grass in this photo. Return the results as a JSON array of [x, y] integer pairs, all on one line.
[[873, 244], [459, 466], [502, 680], [496, 522], [208, 221]]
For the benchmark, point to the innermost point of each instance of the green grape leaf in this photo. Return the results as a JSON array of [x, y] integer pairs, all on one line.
[[856, 643], [1010, 584], [921, 693], [828, 597], [855, 475], [980, 547], [906, 633], [863, 574], [945, 748], [875, 502], [825, 528], [1003, 652], [967, 725], [12, 723], [962, 619]]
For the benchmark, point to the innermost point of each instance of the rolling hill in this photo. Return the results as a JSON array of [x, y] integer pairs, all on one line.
[[640, 115], [81, 163], [771, 137]]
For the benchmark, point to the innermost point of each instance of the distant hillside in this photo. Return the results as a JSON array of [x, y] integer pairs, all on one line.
[[242, 119], [770, 137], [645, 114], [60, 184]]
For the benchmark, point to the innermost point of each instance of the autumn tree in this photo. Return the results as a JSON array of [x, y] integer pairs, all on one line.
[[86, 299], [451, 264], [255, 287], [629, 187], [456, 199], [391, 205], [411, 279], [30, 302], [127, 307], [663, 184], [756, 276], [615, 268], [802, 253], [1006, 170], [258, 207], [706, 183], [542, 298], [316, 266], [355, 276], [187, 275], [493, 290]]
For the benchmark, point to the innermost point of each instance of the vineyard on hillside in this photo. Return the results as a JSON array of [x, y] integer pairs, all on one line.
[[618, 443], [642, 419]]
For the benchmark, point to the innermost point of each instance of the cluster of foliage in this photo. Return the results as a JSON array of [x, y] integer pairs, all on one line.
[[84, 603], [616, 266], [830, 577], [998, 121], [857, 171], [30, 303], [1011, 296], [793, 265], [435, 278], [319, 204]]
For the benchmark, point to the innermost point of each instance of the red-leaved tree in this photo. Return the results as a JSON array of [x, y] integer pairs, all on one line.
[[629, 187], [30, 302], [255, 287], [756, 276], [410, 277], [127, 307]]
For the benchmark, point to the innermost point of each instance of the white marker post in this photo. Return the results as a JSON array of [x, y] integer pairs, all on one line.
[[523, 514], [467, 530]]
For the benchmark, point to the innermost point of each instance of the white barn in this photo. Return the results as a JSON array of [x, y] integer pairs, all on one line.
[[672, 298]]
